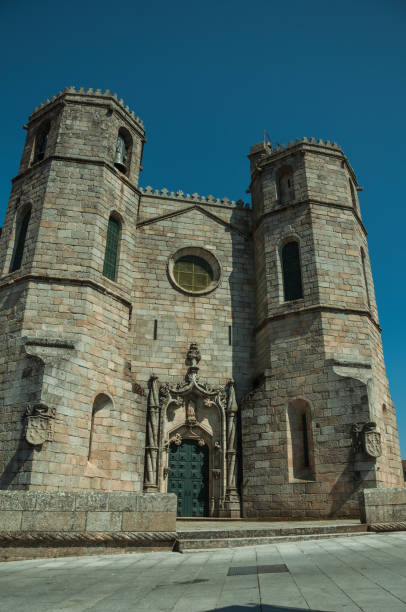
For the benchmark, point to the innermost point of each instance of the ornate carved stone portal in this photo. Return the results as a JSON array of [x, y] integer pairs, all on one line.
[[193, 410]]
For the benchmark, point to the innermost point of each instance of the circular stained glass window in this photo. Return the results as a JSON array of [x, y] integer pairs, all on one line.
[[193, 273]]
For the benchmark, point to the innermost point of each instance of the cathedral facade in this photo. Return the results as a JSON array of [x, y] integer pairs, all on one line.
[[156, 341]]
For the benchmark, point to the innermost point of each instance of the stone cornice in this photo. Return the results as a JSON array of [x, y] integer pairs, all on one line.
[[79, 160], [310, 202], [317, 308], [6, 283]]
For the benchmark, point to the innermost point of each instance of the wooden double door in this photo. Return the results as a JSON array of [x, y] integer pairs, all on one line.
[[188, 477]]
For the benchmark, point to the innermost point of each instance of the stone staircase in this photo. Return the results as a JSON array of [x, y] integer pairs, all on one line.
[[222, 534]]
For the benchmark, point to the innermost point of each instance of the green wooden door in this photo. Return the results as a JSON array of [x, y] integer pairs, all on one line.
[[189, 477]]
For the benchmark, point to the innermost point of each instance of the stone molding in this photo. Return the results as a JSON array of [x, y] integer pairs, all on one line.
[[309, 202], [78, 160], [60, 280], [317, 308]]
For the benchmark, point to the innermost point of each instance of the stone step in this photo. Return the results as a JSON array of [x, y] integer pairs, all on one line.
[[199, 545], [268, 531]]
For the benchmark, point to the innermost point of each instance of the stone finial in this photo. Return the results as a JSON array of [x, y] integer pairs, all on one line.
[[90, 90], [195, 197], [107, 92], [164, 192], [179, 194], [225, 201], [148, 189], [210, 198], [193, 355]]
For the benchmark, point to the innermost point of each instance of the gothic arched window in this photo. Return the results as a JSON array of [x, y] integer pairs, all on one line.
[[291, 271], [41, 140], [21, 234], [112, 248]]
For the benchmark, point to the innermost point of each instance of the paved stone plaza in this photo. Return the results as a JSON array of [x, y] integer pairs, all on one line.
[[344, 573]]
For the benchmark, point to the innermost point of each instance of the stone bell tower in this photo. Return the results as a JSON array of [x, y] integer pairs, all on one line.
[[321, 424], [65, 303]]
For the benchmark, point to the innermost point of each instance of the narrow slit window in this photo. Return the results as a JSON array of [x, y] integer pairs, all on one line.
[[155, 329], [364, 273], [21, 234], [41, 141], [286, 190], [306, 459], [230, 335], [112, 248], [291, 272], [353, 197]]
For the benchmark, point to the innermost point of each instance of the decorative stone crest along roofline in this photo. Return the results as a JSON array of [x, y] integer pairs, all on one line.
[[269, 153], [97, 93], [195, 197]]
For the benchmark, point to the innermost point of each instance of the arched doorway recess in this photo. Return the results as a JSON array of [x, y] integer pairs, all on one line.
[[191, 445]]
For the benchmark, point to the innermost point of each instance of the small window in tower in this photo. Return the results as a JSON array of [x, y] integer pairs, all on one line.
[[364, 274], [353, 196], [21, 234], [291, 271], [193, 273], [41, 141], [122, 155], [112, 248], [286, 191]]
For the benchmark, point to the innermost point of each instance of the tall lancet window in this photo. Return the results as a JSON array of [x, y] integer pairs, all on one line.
[[291, 271], [364, 274], [112, 248], [21, 235]]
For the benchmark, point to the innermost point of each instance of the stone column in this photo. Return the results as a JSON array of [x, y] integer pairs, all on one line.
[[232, 499], [152, 446]]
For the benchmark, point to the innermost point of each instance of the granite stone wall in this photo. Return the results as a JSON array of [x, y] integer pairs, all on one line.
[[45, 511], [83, 347]]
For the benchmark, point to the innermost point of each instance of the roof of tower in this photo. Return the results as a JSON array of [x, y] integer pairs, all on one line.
[[93, 93]]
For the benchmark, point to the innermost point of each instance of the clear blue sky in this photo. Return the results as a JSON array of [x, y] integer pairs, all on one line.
[[208, 77]]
